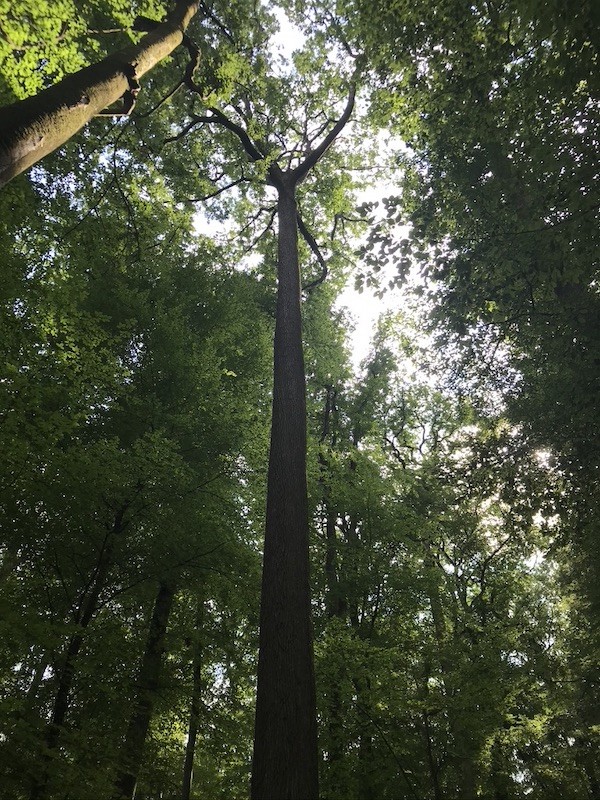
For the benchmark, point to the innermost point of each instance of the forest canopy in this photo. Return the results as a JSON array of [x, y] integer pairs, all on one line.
[[197, 200]]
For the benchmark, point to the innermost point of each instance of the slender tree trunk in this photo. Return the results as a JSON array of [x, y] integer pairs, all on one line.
[[86, 609], [368, 773], [422, 683], [334, 600], [431, 760], [195, 706], [285, 765], [34, 127], [147, 686], [463, 744], [335, 603]]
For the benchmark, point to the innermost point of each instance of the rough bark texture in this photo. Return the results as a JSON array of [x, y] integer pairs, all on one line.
[[34, 127], [285, 765], [147, 687]]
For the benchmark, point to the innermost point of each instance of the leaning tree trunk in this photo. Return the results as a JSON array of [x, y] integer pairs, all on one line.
[[147, 686], [285, 765], [34, 127]]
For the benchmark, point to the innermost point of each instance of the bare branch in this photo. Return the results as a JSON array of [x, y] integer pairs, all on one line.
[[211, 15], [251, 149], [263, 233], [216, 193], [90, 211], [310, 241], [196, 120], [160, 103]]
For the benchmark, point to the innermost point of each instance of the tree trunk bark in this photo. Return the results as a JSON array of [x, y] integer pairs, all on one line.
[[147, 686], [422, 683], [285, 764], [195, 706], [34, 127]]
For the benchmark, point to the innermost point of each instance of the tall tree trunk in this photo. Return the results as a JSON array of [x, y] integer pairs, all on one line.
[[86, 609], [195, 705], [464, 748], [147, 686], [34, 127], [432, 762], [334, 600], [335, 603], [285, 765]]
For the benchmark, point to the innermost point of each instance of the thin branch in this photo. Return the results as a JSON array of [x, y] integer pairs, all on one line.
[[263, 233], [255, 217], [222, 119], [161, 103], [196, 120], [162, 572], [251, 149], [310, 241], [210, 14], [216, 193], [130, 212], [395, 451], [91, 210]]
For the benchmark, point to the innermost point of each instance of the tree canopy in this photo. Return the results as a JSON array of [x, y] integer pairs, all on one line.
[[177, 369]]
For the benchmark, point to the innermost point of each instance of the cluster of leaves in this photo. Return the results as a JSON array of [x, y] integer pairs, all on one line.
[[133, 405]]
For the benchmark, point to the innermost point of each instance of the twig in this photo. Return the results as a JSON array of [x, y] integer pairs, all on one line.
[[216, 193]]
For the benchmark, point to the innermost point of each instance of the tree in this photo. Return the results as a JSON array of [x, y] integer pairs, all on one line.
[[33, 127], [285, 745], [434, 662], [286, 561], [141, 425], [135, 392]]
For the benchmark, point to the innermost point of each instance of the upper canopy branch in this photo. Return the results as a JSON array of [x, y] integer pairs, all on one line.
[[217, 115], [302, 170], [249, 146]]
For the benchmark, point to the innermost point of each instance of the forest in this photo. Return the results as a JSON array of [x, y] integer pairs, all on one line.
[[238, 556]]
